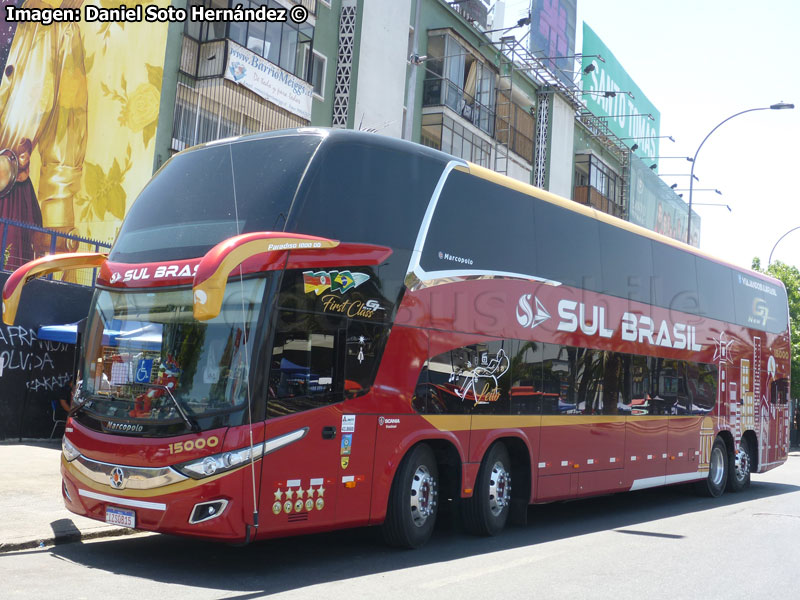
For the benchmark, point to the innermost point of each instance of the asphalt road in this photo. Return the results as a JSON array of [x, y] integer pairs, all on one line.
[[664, 543]]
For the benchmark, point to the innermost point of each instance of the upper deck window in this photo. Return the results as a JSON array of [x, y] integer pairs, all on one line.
[[357, 191], [205, 196]]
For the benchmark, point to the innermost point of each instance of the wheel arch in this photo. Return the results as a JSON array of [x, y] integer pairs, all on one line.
[[727, 437], [521, 472], [449, 460], [521, 468], [751, 437]]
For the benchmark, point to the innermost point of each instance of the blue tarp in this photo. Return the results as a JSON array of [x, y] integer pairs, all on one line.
[[68, 334]]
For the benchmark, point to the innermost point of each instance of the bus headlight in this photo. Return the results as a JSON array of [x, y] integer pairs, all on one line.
[[70, 451], [207, 466], [219, 463]]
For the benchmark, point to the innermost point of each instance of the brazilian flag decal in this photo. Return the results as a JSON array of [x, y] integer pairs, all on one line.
[[344, 281]]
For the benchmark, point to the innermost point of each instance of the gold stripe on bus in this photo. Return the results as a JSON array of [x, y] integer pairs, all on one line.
[[476, 422], [505, 421], [449, 422], [131, 493], [563, 420]]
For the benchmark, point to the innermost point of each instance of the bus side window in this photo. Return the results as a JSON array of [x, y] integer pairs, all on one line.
[[556, 398], [438, 384], [702, 387], [307, 362], [527, 394], [491, 378], [780, 391], [363, 350]]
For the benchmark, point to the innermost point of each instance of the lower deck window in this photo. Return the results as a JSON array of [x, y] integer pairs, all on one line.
[[319, 359], [533, 378]]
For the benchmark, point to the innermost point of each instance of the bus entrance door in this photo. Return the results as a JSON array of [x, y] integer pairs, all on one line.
[[298, 482]]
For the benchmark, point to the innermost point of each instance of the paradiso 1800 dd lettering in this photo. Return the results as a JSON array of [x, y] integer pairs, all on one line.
[[634, 328]]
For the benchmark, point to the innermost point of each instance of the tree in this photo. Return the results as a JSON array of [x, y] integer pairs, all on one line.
[[790, 276]]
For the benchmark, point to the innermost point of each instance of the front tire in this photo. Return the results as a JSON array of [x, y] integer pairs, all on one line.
[[413, 500], [714, 485], [486, 512], [740, 465]]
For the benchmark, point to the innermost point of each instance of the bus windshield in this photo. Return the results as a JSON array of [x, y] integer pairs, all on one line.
[[148, 361]]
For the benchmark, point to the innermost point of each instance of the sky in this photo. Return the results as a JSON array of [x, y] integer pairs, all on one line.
[[699, 62]]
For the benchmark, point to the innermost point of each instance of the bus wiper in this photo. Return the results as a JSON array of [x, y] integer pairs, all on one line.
[[189, 420], [76, 408]]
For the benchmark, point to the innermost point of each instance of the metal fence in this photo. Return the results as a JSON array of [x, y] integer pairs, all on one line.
[[23, 242]]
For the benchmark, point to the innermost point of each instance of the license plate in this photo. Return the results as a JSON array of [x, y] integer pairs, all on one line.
[[120, 516]]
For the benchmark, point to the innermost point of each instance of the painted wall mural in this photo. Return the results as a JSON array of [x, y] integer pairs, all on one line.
[[79, 107]]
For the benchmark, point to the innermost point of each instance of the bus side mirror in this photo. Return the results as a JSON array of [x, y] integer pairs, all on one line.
[[40, 267]]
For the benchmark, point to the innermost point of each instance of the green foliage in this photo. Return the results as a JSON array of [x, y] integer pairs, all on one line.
[[790, 276]]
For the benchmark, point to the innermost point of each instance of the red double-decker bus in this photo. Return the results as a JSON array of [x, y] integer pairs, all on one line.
[[308, 330]]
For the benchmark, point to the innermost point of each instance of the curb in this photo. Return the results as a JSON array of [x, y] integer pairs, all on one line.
[[67, 538]]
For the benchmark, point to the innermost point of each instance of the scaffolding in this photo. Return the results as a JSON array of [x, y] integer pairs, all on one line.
[[515, 56]]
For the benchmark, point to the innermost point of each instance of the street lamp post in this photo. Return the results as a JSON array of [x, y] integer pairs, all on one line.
[[778, 106], [769, 260]]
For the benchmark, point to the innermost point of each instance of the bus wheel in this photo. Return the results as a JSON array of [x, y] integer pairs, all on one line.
[[413, 500], [486, 512], [714, 484], [739, 467]]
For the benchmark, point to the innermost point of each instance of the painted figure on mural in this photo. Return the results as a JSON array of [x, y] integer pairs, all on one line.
[[43, 105]]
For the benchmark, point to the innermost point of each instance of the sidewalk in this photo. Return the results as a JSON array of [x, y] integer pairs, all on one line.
[[32, 512]]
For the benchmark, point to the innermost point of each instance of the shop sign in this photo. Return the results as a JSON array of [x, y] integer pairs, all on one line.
[[268, 81]]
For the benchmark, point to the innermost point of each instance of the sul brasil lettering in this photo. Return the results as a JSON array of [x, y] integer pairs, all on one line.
[[161, 272], [634, 328]]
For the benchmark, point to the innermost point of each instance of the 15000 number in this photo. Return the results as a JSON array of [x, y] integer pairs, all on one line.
[[189, 445]]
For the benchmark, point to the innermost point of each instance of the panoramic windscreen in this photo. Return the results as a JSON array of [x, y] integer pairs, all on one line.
[[147, 358], [207, 195]]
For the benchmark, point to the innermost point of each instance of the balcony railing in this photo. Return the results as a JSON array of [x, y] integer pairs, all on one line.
[[591, 196], [439, 91], [311, 5], [520, 126], [22, 242]]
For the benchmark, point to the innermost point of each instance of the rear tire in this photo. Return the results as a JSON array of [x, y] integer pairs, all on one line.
[[413, 500], [714, 485], [739, 466], [486, 512]]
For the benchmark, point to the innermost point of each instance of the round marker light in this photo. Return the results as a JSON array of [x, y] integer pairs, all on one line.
[[209, 466]]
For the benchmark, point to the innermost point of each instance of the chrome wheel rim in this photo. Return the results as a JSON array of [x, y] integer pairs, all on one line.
[[742, 464], [423, 496], [717, 466], [499, 489]]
